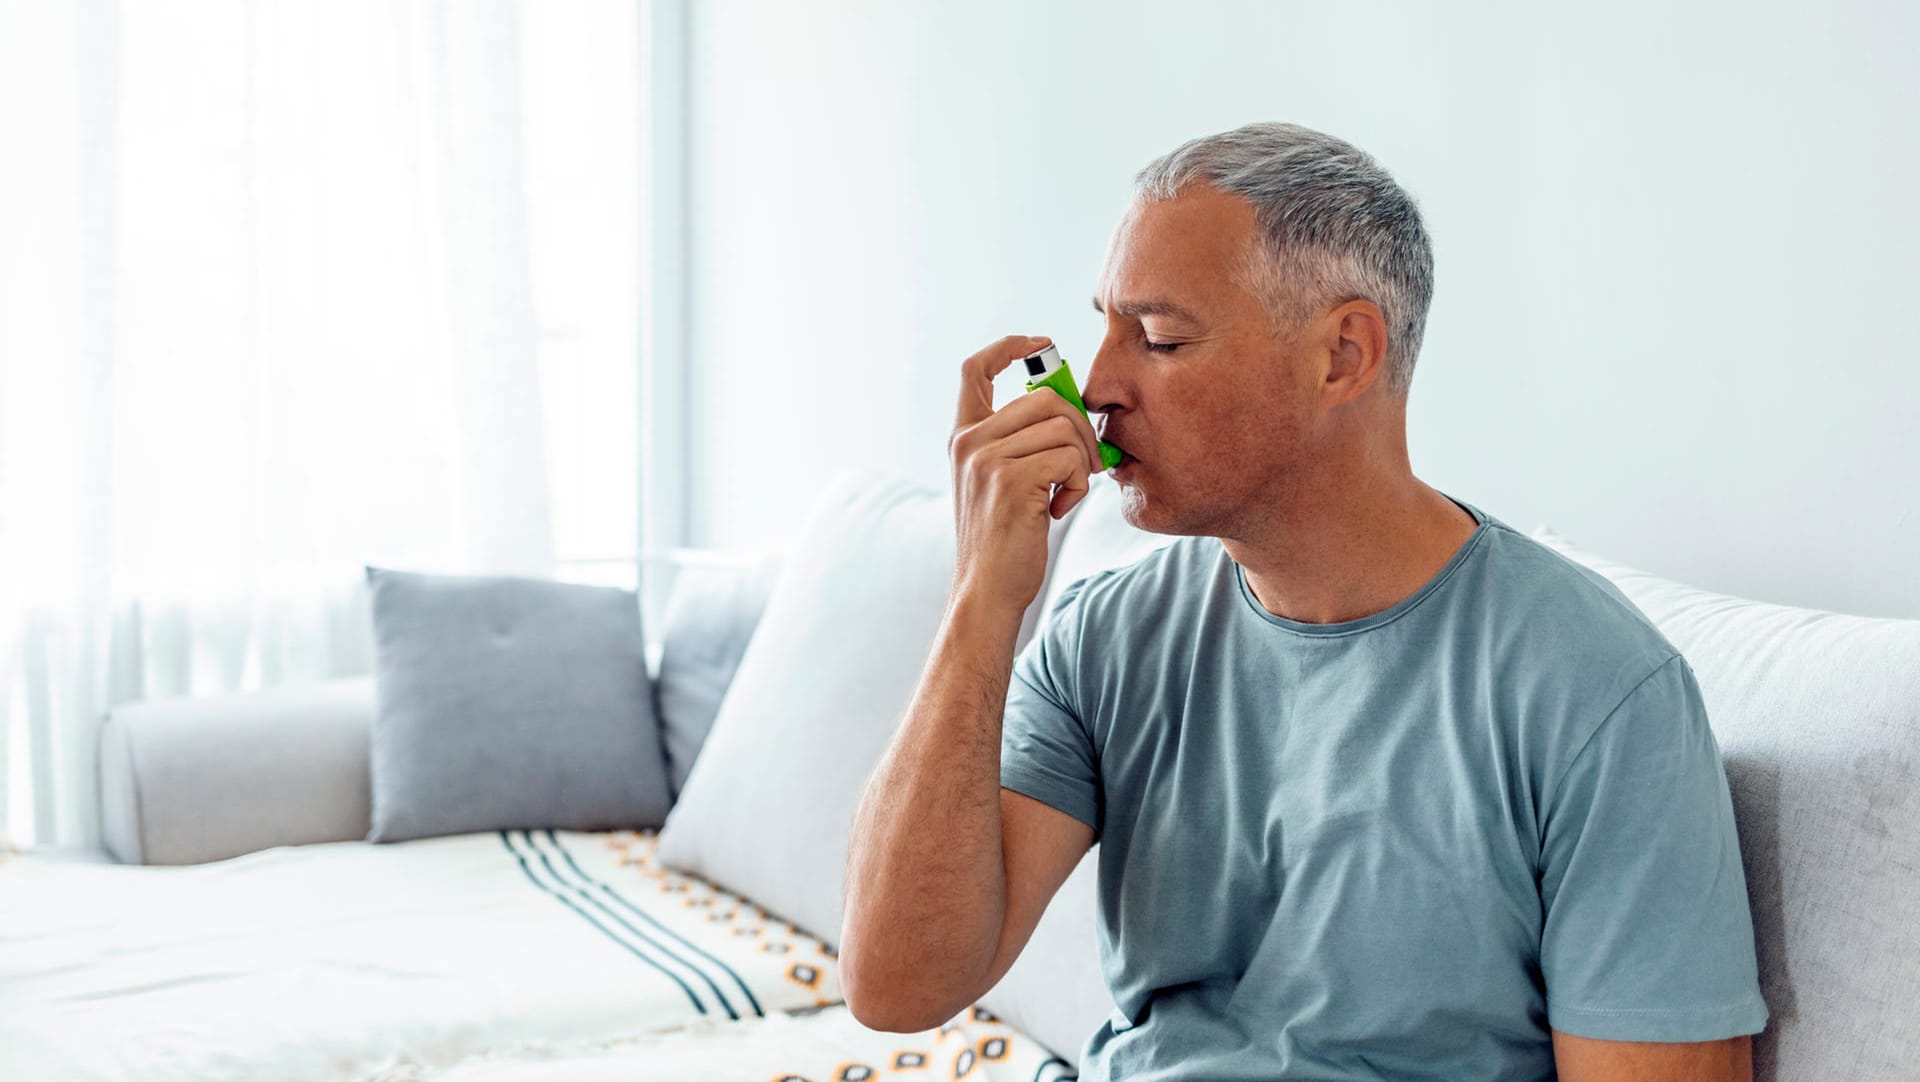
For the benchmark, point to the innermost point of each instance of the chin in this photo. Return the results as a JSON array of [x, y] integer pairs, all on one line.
[[1145, 509], [1140, 512]]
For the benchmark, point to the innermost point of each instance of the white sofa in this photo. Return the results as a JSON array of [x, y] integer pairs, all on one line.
[[239, 818]]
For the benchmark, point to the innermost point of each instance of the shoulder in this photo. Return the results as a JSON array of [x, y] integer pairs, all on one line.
[[1574, 655], [1551, 607]]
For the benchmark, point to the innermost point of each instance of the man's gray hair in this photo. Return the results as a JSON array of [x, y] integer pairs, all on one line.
[[1334, 227]]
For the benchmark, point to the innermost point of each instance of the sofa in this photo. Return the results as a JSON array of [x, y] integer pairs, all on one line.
[[239, 925]]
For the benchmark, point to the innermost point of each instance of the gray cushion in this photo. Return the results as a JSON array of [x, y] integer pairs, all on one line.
[[709, 620], [1817, 716], [506, 702]]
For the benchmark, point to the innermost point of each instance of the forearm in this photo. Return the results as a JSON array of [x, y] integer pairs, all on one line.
[[926, 882]]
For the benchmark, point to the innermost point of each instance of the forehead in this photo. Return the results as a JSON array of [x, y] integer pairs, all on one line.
[[1192, 244]]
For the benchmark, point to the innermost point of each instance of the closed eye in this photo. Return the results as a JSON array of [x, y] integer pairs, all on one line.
[[1161, 347]]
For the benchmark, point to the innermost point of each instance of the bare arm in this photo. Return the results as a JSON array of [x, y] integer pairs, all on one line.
[[1583, 1059], [947, 874]]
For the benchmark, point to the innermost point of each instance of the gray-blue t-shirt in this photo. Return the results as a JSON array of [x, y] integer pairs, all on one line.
[[1397, 847]]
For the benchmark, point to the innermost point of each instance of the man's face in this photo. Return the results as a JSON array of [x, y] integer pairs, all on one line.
[[1212, 408]]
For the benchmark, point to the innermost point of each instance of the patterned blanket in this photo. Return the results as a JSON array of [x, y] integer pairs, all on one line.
[[516, 955]]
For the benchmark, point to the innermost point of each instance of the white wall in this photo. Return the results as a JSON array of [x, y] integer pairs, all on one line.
[[1675, 247]]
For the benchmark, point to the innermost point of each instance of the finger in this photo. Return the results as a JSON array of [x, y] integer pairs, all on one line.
[[977, 372], [1064, 499], [1068, 493], [1048, 432], [1038, 405], [1061, 466]]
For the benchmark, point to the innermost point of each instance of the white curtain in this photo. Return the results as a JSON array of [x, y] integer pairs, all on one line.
[[265, 317]]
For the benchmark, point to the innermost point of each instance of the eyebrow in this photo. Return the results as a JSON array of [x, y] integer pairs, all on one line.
[[1154, 307]]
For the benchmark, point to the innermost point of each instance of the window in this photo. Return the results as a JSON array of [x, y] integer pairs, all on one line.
[[580, 66]]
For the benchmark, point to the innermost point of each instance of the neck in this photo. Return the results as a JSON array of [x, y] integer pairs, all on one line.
[[1349, 543]]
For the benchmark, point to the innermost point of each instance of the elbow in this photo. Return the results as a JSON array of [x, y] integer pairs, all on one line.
[[887, 1004], [886, 1010], [883, 1013]]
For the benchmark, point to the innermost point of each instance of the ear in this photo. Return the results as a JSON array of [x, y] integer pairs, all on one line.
[[1357, 351]]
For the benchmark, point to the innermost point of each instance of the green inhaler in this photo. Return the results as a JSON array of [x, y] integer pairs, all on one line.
[[1046, 369]]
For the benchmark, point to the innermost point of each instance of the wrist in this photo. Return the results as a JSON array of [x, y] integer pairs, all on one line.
[[973, 607]]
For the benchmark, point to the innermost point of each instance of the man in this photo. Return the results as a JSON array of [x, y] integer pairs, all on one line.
[[1384, 789]]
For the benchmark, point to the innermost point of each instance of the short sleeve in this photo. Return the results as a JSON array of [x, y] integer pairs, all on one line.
[[1648, 936], [1046, 749]]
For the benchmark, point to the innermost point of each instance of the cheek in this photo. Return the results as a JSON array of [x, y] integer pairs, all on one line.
[[1244, 431], [1228, 408], [1235, 416]]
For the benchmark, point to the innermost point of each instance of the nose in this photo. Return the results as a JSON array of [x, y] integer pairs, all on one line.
[[1100, 386]]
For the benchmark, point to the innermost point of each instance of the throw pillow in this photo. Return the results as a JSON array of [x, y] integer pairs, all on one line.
[[710, 618], [505, 702], [768, 807]]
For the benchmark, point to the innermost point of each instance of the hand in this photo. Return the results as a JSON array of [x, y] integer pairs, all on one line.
[[1011, 470]]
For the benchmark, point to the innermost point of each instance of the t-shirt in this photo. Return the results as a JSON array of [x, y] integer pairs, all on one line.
[[1396, 847]]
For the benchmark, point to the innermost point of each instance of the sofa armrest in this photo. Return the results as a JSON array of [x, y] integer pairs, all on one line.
[[200, 778]]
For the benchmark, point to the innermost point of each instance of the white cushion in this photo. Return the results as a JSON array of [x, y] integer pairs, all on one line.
[[1818, 719], [768, 807], [711, 615]]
